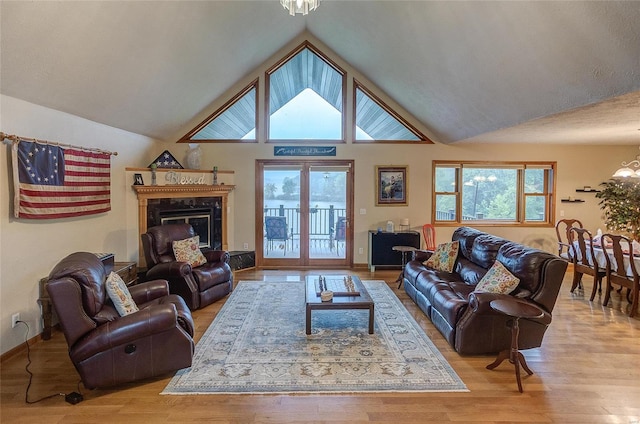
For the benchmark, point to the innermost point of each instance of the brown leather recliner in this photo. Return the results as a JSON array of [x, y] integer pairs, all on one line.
[[199, 286], [108, 349]]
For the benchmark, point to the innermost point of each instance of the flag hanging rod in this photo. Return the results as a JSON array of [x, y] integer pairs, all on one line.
[[15, 139]]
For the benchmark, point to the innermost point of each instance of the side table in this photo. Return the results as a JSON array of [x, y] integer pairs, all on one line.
[[128, 271], [515, 309], [405, 250]]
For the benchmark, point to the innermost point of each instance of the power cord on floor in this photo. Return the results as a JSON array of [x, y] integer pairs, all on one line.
[[72, 398]]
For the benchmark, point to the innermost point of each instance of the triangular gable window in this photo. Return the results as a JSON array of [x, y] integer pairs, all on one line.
[[306, 97], [375, 121], [236, 120]]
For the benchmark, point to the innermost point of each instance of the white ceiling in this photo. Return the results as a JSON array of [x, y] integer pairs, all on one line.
[[479, 71]]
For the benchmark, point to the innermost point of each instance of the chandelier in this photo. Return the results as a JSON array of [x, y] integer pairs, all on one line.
[[626, 171], [300, 6]]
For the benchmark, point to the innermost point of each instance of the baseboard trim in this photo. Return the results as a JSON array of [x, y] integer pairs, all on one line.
[[21, 348]]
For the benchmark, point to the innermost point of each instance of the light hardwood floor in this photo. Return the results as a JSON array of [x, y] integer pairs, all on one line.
[[587, 371]]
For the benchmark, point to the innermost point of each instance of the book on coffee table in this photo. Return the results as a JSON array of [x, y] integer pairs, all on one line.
[[340, 285]]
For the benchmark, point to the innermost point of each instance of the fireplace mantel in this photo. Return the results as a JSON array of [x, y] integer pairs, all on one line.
[[146, 192], [189, 190]]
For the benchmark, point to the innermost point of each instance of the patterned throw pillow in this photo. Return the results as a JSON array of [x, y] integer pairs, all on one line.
[[444, 257], [188, 250], [498, 280], [119, 295]]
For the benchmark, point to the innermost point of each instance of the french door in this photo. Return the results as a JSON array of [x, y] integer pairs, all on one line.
[[304, 211]]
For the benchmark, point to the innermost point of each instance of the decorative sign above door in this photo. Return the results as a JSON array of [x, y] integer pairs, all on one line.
[[304, 150]]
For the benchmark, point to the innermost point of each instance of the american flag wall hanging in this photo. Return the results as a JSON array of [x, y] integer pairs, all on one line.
[[52, 182]]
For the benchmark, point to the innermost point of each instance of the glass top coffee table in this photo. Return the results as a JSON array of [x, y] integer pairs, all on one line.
[[349, 293]]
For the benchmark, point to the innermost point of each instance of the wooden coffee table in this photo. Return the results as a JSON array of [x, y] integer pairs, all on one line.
[[361, 301]]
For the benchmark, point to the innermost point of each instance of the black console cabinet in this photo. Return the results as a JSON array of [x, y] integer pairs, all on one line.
[[381, 244]]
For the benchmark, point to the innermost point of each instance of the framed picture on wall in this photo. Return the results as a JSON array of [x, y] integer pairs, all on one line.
[[391, 185]]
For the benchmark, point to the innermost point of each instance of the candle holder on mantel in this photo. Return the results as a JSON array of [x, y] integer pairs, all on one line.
[[154, 180], [215, 175]]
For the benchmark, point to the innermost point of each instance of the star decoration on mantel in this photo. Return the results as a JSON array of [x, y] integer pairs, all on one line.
[[167, 161]]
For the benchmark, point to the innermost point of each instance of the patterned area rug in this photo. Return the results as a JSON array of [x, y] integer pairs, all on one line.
[[257, 344]]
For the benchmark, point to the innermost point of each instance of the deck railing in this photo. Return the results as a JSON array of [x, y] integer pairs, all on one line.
[[322, 221], [451, 216]]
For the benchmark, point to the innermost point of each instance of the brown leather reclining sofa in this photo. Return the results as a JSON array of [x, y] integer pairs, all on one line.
[[463, 316]]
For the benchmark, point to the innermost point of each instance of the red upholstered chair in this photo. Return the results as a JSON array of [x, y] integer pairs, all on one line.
[[199, 286], [108, 349]]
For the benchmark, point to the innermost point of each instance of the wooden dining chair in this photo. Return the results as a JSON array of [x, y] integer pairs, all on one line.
[[562, 231], [621, 268], [584, 260], [429, 233]]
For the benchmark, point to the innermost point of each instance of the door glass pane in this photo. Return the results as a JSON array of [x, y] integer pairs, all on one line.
[[327, 213], [281, 213]]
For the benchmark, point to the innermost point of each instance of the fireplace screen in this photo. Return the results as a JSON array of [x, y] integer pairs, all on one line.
[[201, 225], [204, 214]]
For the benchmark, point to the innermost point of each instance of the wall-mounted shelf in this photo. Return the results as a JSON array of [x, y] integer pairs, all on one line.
[[590, 190], [572, 200]]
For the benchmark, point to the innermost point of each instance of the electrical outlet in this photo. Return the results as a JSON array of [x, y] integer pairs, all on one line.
[[245, 246], [361, 251], [363, 211], [14, 320]]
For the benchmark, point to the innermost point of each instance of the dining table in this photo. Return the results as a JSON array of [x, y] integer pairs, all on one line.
[[599, 253]]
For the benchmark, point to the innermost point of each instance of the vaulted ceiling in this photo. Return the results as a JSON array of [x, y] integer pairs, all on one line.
[[545, 72]]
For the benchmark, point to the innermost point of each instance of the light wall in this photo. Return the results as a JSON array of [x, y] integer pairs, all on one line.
[[576, 167], [29, 249]]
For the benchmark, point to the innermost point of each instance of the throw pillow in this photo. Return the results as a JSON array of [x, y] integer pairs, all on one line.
[[497, 280], [188, 250], [444, 257], [119, 295]]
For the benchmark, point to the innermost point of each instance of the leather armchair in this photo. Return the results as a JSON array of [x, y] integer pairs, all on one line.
[[107, 349], [199, 286]]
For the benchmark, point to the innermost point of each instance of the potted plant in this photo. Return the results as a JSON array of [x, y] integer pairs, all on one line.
[[620, 203]]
